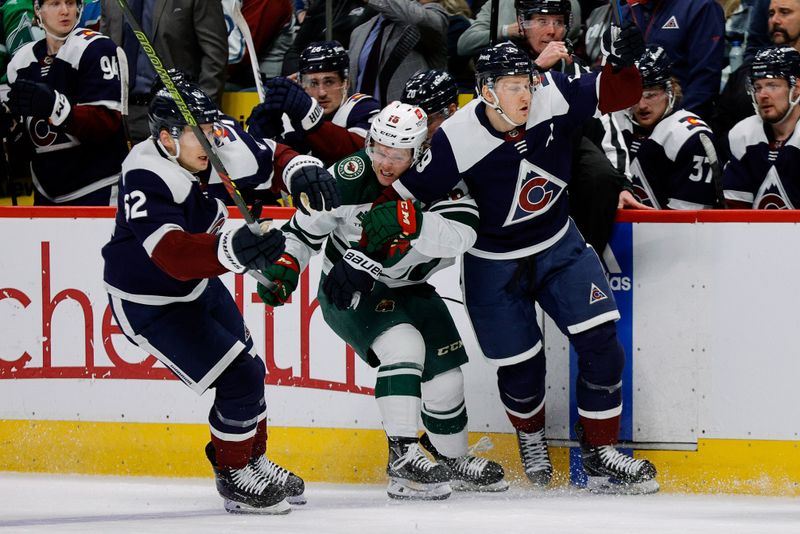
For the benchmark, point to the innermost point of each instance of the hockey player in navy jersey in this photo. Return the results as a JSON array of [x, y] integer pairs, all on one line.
[[161, 273], [765, 148], [402, 326], [315, 115], [512, 148], [67, 90], [672, 166]]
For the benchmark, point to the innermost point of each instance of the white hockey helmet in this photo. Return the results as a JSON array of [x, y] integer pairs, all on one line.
[[400, 125]]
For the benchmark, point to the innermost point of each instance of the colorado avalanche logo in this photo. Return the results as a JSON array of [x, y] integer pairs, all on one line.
[[41, 133], [536, 192], [772, 195]]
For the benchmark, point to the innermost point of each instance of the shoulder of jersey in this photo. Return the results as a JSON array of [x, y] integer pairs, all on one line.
[[145, 157], [361, 104], [676, 130], [745, 133], [462, 118], [22, 58], [84, 41]]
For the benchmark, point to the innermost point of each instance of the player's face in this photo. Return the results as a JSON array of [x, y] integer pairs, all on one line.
[[514, 95], [327, 87], [192, 156], [389, 163], [784, 22], [651, 106], [772, 98], [541, 29], [59, 16]]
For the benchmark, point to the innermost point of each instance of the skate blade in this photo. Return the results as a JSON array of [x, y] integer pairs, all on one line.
[[402, 489], [280, 508], [539, 480], [607, 486], [463, 485], [297, 499]]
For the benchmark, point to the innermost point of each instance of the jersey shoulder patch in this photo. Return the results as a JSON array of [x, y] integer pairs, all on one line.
[[351, 167], [674, 132]]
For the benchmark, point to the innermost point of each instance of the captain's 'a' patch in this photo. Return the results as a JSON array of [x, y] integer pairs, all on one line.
[[596, 295]]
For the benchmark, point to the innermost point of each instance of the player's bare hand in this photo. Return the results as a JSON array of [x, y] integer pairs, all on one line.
[[628, 201], [554, 52]]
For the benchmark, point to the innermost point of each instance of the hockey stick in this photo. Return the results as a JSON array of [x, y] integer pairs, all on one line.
[[616, 10], [241, 23], [716, 170], [213, 157], [493, 16]]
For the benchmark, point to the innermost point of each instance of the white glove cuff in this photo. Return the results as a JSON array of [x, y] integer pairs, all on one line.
[[313, 116], [225, 253], [294, 164], [61, 110], [360, 261]]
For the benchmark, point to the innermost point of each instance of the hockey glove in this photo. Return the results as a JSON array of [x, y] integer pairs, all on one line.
[[352, 276], [265, 124], [622, 47], [385, 222], [38, 100], [240, 249], [285, 273], [306, 175], [286, 96]]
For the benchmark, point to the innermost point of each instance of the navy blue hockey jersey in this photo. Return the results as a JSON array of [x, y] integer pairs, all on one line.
[[760, 173], [669, 166], [86, 71], [519, 178], [157, 196]]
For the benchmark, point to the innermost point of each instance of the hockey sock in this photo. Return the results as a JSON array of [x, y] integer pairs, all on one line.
[[444, 413], [522, 392], [260, 439]]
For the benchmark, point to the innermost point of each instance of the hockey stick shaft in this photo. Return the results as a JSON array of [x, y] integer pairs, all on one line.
[[213, 157]]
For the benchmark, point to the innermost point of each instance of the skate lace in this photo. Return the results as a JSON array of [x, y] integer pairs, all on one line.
[[614, 459], [274, 473], [250, 480], [415, 457], [534, 449]]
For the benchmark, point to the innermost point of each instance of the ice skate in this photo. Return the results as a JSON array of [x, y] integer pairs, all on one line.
[[469, 472], [535, 457], [246, 490], [610, 471], [412, 475], [292, 484]]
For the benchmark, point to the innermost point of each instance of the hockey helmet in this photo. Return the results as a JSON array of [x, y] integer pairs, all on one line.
[[400, 125], [324, 56], [654, 66], [776, 62], [165, 113], [503, 59], [433, 90], [528, 8]]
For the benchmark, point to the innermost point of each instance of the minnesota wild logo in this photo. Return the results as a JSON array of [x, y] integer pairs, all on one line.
[[350, 168]]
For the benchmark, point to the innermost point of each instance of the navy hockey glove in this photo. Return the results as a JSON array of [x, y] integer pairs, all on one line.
[[385, 222], [240, 249], [265, 124], [285, 273], [39, 100], [286, 96], [352, 276], [305, 177], [622, 47]]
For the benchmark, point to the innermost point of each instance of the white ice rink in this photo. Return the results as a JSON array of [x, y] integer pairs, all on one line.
[[51, 503]]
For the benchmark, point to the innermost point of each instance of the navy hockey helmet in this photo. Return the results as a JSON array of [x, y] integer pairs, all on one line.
[[324, 56], [503, 59], [776, 62], [654, 66], [432, 90], [165, 114]]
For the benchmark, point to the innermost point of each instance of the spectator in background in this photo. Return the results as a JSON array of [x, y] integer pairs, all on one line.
[[186, 34], [692, 32], [757, 29], [67, 89], [316, 116], [434, 91], [404, 37], [90, 14], [765, 148], [670, 167], [459, 19], [735, 103], [477, 36], [347, 15], [16, 24]]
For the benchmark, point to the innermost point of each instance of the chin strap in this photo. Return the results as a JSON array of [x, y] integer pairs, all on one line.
[[792, 103], [173, 159]]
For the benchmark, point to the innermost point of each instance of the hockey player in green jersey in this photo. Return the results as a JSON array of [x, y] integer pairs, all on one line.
[[399, 324]]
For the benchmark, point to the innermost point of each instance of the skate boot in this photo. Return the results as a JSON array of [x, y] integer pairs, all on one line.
[[535, 457], [246, 490], [470, 473], [292, 484], [412, 475], [610, 471]]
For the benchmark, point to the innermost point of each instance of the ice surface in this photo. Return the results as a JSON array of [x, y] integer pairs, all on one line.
[[72, 503]]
